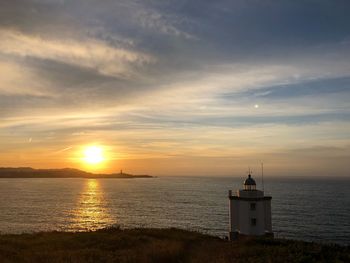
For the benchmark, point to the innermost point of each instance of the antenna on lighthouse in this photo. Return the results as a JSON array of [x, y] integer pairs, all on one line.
[[249, 172], [262, 175]]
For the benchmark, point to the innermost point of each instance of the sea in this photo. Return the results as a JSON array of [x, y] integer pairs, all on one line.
[[313, 209]]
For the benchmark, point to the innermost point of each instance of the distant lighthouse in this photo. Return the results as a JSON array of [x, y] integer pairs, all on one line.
[[250, 211]]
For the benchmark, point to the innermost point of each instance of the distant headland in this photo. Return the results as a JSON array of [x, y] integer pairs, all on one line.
[[28, 172]]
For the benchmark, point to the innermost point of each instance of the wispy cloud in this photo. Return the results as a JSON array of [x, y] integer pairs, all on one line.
[[302, 88], [162, 23], [63, 150], [89, 53], [18, 80]]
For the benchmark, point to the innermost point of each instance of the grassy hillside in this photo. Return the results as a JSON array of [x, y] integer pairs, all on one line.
[[159, 245]]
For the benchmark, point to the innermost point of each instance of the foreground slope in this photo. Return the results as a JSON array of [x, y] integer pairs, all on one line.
[[159, 245]]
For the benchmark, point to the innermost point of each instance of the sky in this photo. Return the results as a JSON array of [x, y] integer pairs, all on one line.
[[177, 87]]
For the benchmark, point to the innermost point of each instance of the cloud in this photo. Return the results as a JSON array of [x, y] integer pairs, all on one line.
[[304, 88], [161, 23], [88, 53], [16, 79]]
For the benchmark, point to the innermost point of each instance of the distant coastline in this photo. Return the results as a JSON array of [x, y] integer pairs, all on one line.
[[28, 172]]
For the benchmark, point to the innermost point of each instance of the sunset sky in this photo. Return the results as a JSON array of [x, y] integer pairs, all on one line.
[[177, 87]]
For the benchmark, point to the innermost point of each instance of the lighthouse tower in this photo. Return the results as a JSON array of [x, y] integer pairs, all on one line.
[[250, 211]]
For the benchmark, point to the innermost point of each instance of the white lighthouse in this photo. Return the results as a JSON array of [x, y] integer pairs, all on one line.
[[250, 211]]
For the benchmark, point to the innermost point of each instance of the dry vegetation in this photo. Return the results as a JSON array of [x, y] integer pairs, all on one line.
[[159, 245]]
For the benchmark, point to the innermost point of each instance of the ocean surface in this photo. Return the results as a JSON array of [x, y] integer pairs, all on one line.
[[304, 209]]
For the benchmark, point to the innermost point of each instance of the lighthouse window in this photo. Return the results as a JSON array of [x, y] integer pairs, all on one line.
[[252, 206], [253, 221]]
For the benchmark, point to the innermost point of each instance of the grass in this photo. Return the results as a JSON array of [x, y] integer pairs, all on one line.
[[159, 245]]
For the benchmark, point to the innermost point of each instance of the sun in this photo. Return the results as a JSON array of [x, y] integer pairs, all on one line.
[[93, 155]]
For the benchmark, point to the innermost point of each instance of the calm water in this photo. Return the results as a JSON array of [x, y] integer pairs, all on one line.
[[312, 209]]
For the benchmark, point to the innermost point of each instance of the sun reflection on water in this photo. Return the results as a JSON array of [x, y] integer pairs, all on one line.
[[92, 208]]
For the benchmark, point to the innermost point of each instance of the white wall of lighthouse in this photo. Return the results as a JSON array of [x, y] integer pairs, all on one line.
[[250, 211]]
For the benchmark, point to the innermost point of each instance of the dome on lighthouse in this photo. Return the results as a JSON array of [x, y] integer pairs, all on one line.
[[249, 183]]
